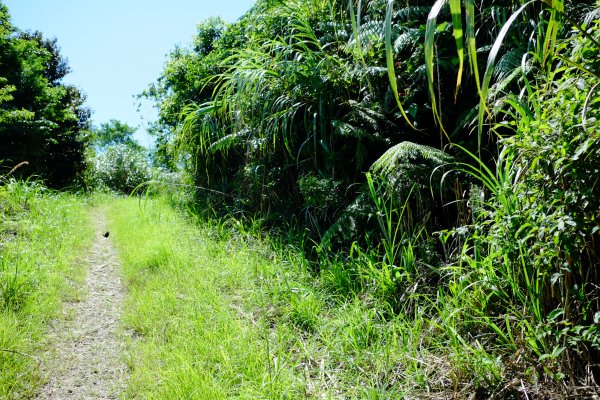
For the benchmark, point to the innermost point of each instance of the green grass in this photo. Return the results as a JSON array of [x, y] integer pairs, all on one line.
[[195, 334], [41, 235], [219, 310], [213, 310], [215, 313]]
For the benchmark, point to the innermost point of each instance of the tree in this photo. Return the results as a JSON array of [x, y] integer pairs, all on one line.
[[112, 133], [42, 120]]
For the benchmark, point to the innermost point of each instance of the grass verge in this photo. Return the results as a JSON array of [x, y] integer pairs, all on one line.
[[195, 331], [215, 313], [41, 235]]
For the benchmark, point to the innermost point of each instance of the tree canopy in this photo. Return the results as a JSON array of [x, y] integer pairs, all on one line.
[[42, 121], [114, 132]]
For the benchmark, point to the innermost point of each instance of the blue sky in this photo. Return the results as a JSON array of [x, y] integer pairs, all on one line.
[[116, 48]]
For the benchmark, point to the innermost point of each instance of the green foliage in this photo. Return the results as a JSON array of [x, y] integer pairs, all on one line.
[[408, 164], [283, 123], [119, 163], [121, 168], [529, 259], [42, 121], [303, 96], [114, 132]]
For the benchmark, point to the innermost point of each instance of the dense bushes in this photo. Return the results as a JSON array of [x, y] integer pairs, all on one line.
[[526, 267], [120, 168], [302, 107], [299, 104], [117, 162]]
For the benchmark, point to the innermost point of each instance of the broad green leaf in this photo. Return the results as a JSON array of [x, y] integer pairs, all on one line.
[[389, 56], [555, 314], [456, 12]]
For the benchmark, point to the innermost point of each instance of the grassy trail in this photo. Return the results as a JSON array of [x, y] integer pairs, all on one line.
[[85, 359], [212, 311], [195, 334], [215, 313]]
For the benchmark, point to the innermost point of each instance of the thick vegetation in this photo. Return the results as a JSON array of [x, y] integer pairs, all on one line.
[[116, 161], [427, 172], [478, 218]]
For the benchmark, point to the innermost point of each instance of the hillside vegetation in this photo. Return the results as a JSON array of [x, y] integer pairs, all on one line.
[[365, 200]]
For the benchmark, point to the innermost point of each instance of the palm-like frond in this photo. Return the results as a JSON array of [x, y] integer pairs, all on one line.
[[408, 166], [412, 13], [405, 157], [227, 142], [369, 33]]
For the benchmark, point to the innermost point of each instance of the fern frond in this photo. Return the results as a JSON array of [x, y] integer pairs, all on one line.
[[412, 13], [408, 40], [398, 158], [507, 64], [407, 164]]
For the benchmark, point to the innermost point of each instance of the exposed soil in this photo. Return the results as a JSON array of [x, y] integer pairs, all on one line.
[[86, 359]]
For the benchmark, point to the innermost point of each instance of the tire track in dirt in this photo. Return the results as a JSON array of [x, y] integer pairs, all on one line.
[[86, 359]]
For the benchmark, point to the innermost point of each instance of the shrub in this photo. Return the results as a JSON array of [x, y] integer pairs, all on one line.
[[120, 168], [528, 267]]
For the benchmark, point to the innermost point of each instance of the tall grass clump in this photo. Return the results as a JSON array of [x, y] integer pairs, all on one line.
[[526, 274], [397, 254], [41, 233]]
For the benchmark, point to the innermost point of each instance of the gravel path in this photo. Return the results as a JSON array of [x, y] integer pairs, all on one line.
[[86, 361]]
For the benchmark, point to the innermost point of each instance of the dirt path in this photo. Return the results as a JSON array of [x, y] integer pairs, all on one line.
[[85, 362]]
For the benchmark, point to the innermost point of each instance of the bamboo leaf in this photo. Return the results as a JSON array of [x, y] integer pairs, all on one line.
[[552, 31], [456, 12], [429, 45], [227, 142], [389, 56], [491, 62], [471, 45]]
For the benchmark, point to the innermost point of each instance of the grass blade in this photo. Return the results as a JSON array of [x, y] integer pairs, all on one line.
[[552, 30], [429, 45], [471, 45]]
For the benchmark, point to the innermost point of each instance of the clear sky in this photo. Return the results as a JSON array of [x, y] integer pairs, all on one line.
[[116, 48]]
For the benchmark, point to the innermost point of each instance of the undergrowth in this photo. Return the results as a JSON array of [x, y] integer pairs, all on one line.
[[220, 310]]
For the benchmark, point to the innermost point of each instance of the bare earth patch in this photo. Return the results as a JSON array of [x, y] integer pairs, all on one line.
[[86, 361]]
